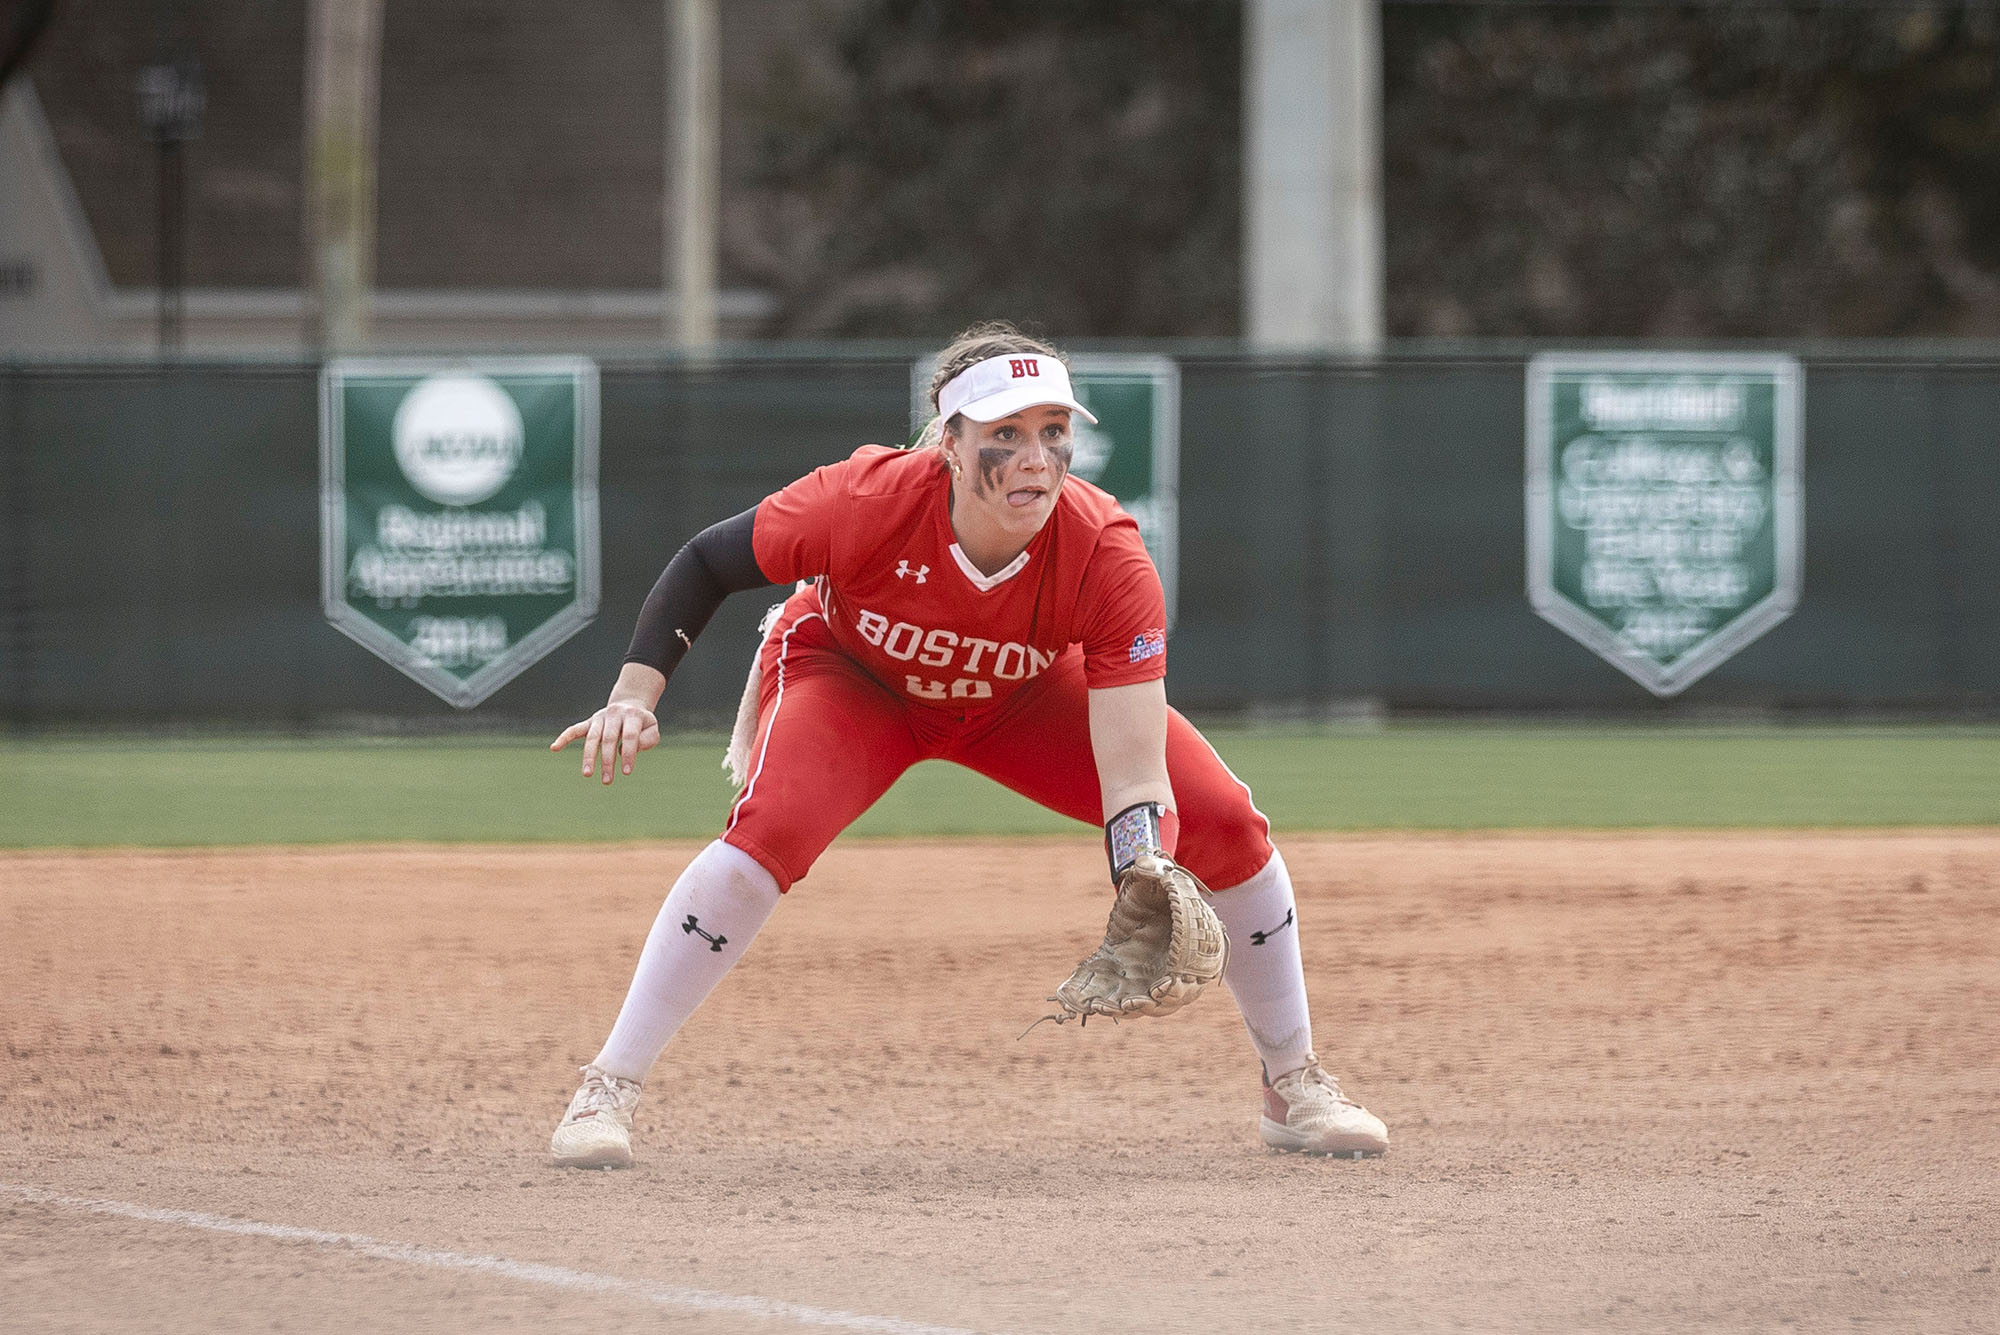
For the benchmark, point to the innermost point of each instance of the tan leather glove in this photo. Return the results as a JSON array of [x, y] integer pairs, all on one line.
[[1162, 946]]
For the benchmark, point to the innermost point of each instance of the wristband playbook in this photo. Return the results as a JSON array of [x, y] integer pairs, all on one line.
[[1142, 828]]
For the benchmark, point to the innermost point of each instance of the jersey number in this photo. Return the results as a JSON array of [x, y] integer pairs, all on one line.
[[965, 688]]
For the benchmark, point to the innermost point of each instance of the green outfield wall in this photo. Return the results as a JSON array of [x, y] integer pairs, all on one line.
[[1350, 535]]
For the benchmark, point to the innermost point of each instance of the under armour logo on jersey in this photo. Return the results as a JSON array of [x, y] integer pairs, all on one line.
[[693, 927], [1259, 938], [921, 572]]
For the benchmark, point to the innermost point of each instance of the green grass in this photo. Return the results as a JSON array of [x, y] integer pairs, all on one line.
[[86, 793]]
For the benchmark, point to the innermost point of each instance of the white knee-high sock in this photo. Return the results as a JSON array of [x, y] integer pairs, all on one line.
[[1265, 974], [710, 918]]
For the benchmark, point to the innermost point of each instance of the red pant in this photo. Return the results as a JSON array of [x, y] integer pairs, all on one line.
[[831, 740]]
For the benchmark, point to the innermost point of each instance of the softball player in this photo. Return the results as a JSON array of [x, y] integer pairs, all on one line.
[[970, 601]]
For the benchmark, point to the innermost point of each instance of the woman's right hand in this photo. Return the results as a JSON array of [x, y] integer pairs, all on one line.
[[615, 734]]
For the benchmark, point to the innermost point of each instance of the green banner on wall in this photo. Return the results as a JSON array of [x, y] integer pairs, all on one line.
[[1134, 451], [1664, 516], [459, 534]]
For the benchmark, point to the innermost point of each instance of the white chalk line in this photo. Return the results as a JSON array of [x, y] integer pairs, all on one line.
[[553, 1276]]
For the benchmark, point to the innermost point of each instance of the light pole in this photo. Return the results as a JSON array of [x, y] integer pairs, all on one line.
[[693, 152], [343, 76], [172, 98], [1312, 250]]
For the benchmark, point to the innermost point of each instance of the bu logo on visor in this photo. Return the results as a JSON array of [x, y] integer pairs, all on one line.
[[1023, 366]]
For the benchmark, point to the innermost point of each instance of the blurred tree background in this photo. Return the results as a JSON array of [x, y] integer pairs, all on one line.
[[1071, 163], [1624, 169], [1735, 170], [1617, 170]]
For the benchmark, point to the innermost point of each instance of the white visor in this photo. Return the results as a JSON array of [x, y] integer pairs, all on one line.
[[1001, 386]]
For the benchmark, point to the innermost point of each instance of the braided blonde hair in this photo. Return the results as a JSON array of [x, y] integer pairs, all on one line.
[[987, 339]]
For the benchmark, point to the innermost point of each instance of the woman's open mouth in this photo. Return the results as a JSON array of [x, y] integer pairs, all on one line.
[[1025, 496]]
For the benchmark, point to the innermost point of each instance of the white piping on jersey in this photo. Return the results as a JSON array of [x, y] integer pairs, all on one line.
[[982, 581], [784, 647]]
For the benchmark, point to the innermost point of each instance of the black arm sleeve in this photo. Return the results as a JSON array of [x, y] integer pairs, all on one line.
[[716, 562]]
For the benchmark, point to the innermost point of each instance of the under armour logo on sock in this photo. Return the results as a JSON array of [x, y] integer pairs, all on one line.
[[1256, 938], [693, 926]]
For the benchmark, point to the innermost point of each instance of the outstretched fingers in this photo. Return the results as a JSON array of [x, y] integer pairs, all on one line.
[[612, 738]]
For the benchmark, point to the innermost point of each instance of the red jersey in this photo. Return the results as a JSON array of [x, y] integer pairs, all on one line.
[[903, 600]]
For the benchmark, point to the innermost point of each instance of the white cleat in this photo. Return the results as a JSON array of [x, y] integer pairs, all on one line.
[[596, 1132], [1305, 1113]]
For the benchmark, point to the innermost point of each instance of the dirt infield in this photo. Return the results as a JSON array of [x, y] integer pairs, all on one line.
[[1728, 1082]]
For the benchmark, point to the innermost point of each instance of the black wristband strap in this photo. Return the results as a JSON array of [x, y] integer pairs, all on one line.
[[1131, 834]]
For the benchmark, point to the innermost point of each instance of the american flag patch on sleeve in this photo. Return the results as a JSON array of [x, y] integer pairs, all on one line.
[[1149, 645]]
